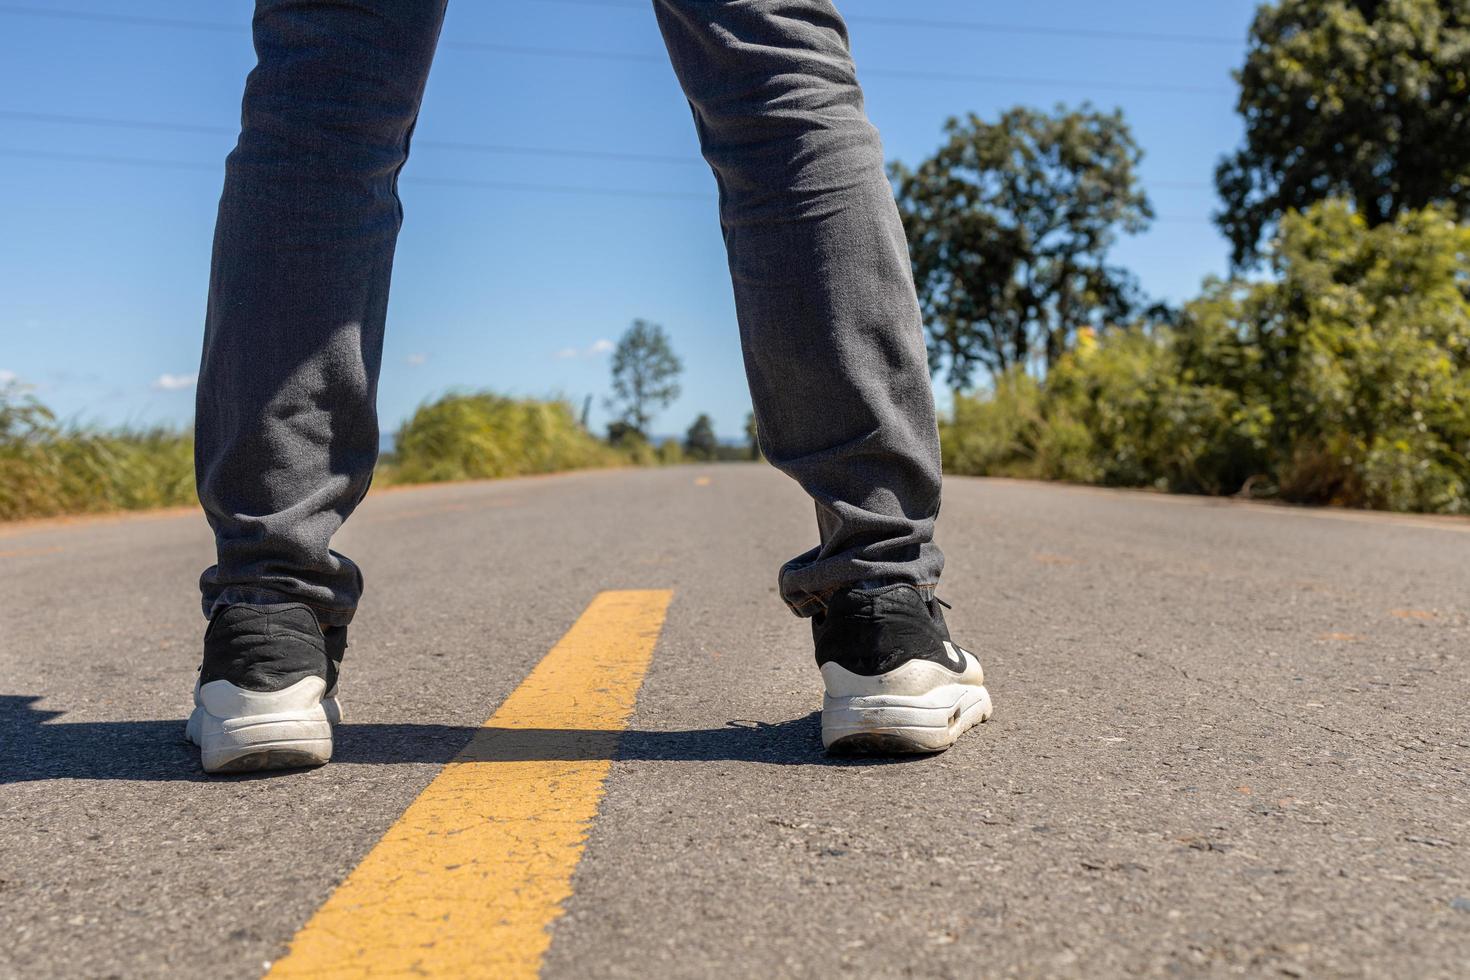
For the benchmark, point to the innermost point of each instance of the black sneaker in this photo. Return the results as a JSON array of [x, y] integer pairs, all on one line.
[[267, 691], [895, 683]]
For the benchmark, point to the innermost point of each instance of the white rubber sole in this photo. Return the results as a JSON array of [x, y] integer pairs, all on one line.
[[888, 724], [248, 731], [918, 707]]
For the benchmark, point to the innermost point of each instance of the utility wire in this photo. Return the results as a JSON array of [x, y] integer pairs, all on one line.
[[120, 161], [593, 54], [113, 122], [1162, 88], [986, 27], [131, 20], [155, 163]]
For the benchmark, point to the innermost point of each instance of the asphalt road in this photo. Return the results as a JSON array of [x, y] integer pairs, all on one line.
[[1229, 739]]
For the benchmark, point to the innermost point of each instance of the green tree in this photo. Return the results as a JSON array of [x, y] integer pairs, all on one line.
[[700, 441], [1009, 227], [752, 436], [645, 373], [1362, 99]]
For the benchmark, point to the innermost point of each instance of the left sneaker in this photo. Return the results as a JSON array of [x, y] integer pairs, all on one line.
[[266, 697], [896, 683]]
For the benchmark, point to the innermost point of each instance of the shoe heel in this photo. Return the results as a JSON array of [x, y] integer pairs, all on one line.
[[892, 725], [251, 745], [238, 730]]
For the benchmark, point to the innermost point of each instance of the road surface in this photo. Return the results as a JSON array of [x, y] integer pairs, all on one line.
[[1229, 739]]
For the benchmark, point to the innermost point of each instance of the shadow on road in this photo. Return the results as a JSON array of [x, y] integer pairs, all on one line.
[[34, 747]]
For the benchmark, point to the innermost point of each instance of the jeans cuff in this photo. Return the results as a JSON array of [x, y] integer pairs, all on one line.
[[252, 596], [810, 603]]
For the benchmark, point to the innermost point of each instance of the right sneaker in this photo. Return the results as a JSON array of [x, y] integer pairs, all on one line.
[[266, 697], [895, 683]]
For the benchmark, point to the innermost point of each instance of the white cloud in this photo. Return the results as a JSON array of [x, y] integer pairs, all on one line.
[[416, 360], [596, 349], [174, 382], [8, 376]]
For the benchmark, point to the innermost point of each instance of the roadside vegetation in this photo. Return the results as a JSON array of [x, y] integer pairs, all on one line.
[[47, 468], [1331, 367], [483, 435], [1344, 380]]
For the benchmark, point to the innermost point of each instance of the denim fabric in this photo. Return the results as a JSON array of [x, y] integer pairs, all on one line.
[[286, 427]]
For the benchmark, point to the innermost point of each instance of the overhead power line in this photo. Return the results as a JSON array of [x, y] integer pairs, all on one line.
[[155, 163], [925, 23], [983, 27], [119, 161], [132, 20], [596, 54], [1086, 33], [639, 57], [1022, 80], [114, 122], [591, 54]]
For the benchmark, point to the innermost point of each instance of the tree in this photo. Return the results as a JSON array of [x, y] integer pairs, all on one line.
[[1362, 99], [645, 374], [1360, 352], [752, 436], [1009, 226], [621, 435], [700, 441]]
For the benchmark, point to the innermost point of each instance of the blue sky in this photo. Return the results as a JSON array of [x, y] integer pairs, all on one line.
[[104, 261]]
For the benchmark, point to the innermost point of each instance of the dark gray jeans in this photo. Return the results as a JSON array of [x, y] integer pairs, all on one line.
[[286, 428]]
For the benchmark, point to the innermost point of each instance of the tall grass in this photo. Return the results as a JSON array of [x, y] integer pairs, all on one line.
[[47, 469]]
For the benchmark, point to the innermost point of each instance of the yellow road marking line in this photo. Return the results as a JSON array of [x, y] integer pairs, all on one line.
[[1412, 614], [31, 552], [468, 880], [702, 481]]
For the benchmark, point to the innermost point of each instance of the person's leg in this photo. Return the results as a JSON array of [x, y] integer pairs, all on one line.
[[834, 350], [286, 432], [824, 293]]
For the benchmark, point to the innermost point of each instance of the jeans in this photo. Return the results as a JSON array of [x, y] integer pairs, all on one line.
[[286, 432]]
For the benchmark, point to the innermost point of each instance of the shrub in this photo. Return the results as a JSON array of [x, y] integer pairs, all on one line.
[[1359, 354], [670, 452], [1345, 380], [483, 435], [1147, 422], [995, 435]]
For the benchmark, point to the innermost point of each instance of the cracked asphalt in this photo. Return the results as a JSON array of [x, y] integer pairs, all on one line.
[[1230, 739]]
